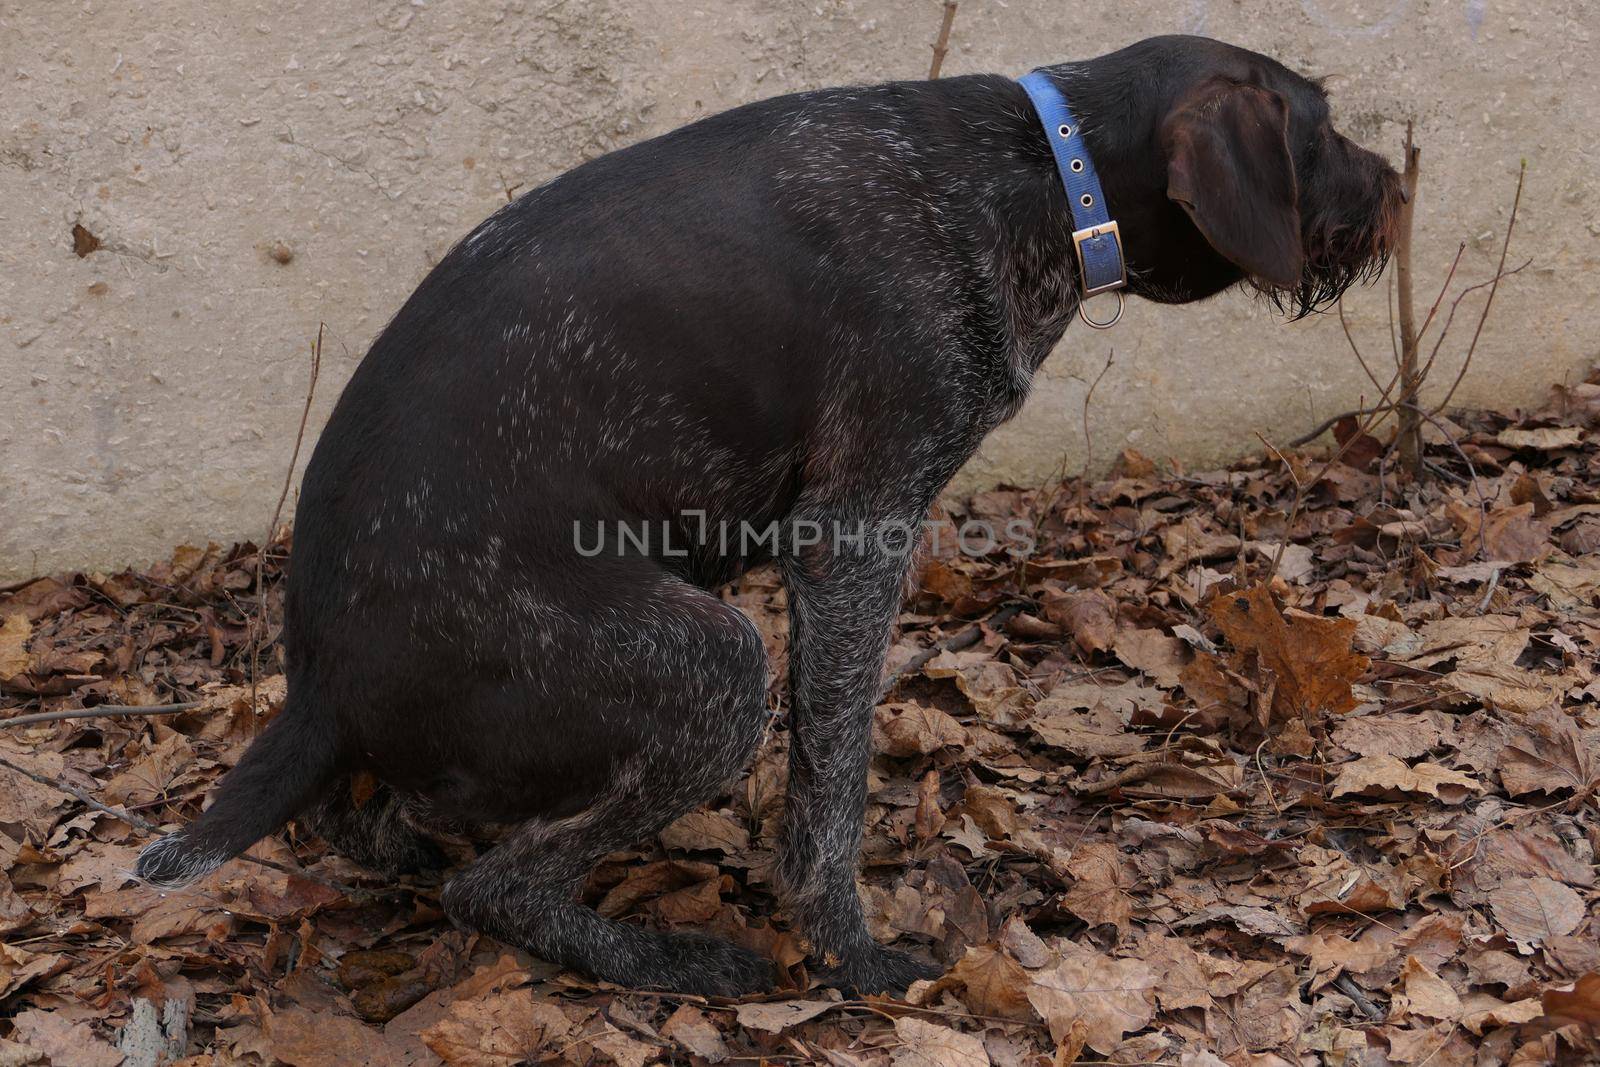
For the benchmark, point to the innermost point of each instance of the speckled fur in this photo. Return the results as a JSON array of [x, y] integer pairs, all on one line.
[[809, 312]]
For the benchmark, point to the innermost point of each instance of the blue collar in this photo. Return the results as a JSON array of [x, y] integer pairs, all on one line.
[[1101, 268]]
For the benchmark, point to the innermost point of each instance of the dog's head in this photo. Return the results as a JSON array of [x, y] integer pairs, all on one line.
[[1226, 167]]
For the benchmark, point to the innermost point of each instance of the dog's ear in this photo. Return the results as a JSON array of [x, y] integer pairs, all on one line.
[[1228, 164]]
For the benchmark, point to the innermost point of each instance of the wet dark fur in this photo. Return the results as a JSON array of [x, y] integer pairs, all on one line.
[[810, 308]]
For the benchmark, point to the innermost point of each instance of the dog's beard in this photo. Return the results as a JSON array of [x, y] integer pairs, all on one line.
[[1340, 252]]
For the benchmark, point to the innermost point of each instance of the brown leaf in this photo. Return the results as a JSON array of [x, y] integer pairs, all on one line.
[[1481, 1012], [1580, 1004], [1152, 652], [1090, 616], [776, 1016], [1532, 910], [1101, 731], [1544, 438], [500, 1030], [27, 808], [1112, 997], [1425, 994], [925, 1044], [1168, 776], [704, 831], [18, 967], [914, 730], [1099, 893], [1511, 534], [1400, 736], [1381, 775], [988, 981], [14, 633], [1313, 657], [63, 1040], [1547, 754], [1571, 587], [652, 880], [689, 1027]]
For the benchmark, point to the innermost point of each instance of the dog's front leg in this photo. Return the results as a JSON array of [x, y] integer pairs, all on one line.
[[844, 595]]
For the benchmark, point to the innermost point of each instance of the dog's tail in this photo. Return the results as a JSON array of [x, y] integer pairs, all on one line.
[[281, 774]]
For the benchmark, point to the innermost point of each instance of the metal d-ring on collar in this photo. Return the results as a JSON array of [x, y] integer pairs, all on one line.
[[1101, 267]]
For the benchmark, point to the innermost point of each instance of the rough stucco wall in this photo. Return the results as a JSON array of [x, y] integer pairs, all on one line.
[[150, 391]]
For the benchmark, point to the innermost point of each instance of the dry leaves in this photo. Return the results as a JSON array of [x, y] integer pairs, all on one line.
[[1155, 808]]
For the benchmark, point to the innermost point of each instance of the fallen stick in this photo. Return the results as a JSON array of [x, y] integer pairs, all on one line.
[[103, 711], [965, 639]]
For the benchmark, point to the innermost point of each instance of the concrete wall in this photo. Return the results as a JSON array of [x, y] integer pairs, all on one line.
[[255, 167]]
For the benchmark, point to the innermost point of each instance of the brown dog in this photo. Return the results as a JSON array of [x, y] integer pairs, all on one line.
[[778, 331]]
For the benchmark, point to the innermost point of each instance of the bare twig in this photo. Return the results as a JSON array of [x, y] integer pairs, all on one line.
[[965, 639], [1449, 320], [1378, 410], [103, 711], [941, 47], [1039, 514], [1445, 288], [1344, 324], [258, 623], [1483, 500], [1409, 439], [1505, 246], [1088, 434], [1346, 985]]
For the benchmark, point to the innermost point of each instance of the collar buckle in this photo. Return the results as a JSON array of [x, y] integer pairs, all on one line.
[[1101, 265]]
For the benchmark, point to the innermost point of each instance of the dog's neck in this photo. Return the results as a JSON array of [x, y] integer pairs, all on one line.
[[1022, 209]]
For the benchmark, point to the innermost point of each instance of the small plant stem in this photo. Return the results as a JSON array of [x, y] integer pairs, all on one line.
[[1410, 434]]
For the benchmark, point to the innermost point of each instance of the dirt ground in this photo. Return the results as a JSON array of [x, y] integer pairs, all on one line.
[[1206, 778]]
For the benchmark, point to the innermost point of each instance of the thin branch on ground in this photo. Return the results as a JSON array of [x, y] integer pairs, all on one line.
[[103, 711]]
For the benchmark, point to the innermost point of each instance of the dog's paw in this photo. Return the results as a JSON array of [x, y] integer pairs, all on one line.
[[878, 970], [713, 967]]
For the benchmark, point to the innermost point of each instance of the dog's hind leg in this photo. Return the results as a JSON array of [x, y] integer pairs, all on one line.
[[676, 685], [378, 831]]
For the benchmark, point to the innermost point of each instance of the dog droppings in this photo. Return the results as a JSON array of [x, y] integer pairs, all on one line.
[[281, 253]]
